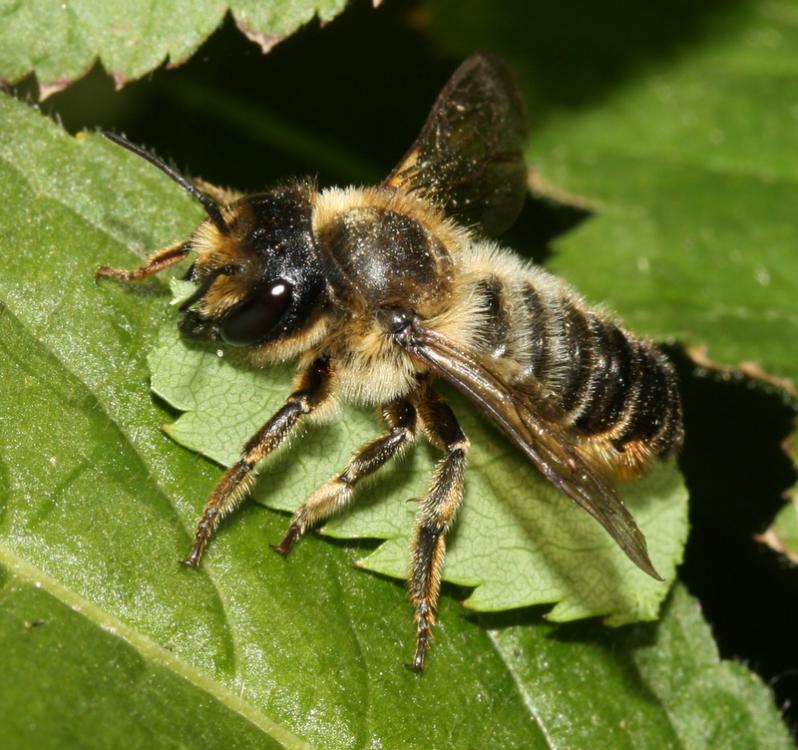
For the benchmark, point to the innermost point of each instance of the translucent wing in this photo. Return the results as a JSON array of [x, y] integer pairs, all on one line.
[[551, 447], [469, 156]]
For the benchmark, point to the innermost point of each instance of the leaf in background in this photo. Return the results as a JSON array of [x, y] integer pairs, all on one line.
[[60, 42], [108, 641], [782, 536], [697, 225], [517, 539], [690, 160], [674, 664]]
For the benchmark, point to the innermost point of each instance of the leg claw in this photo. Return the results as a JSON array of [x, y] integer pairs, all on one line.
[[287, 544], [422, 643], [193, 560]]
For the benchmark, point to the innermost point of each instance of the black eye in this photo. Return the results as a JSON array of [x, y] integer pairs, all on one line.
[[249, 321]]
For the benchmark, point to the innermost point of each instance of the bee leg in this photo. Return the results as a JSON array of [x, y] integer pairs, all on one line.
[[312, 391], [336, 494], [435, 517], [156, 263]]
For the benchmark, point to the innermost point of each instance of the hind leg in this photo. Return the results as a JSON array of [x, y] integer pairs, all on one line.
[[436, 516]]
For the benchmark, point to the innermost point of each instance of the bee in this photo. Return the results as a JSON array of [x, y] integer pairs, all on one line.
[[378, 292]]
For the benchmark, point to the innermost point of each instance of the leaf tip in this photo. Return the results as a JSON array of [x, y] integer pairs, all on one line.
[[120, 80], [266, 42]]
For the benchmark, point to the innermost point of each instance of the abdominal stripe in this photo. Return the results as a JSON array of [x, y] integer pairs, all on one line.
[[613, 357], [605, 380]]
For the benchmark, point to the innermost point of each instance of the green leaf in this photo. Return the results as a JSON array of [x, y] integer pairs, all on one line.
[[688, 163], [674, 665], [115, 673], [782, 535], [108, 641], [517, 539], [60, 42]]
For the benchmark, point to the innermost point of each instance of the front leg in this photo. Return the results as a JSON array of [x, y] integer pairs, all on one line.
[[312, 391], [435, 517], [155, 263]]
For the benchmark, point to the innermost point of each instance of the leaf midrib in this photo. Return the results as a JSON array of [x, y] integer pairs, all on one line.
[[149, 649], [524, 695], [140, 456]]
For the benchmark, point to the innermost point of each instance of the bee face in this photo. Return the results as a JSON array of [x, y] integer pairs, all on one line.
[[259, 280]]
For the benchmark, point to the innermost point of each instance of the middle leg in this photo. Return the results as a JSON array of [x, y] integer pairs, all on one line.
[[336, 494]]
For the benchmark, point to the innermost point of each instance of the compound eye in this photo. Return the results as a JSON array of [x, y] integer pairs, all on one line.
[[251, 320]]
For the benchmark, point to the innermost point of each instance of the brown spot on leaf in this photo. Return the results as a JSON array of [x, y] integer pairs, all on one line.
[[265, 41], [542, 188], [120, 80], [748, 369], [46, 90], [772, 539]]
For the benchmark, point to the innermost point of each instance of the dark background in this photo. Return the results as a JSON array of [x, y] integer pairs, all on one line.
[[344, 102]]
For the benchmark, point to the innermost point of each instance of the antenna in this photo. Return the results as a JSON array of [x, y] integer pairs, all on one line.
[[212, 208]]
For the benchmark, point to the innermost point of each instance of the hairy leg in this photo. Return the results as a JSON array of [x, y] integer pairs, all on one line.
[[435, 517], [312, 391], [156, 263], [336, 494]]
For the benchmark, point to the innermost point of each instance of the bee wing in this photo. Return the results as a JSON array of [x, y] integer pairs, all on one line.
[[469, 156], [551, 447]]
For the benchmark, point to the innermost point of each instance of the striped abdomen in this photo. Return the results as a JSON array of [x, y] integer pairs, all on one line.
[[618, 391]]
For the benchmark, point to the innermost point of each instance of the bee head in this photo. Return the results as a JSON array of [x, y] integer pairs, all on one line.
[[259, 280]]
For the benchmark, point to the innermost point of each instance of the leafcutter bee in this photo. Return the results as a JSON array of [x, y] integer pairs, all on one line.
[[380, 291]]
